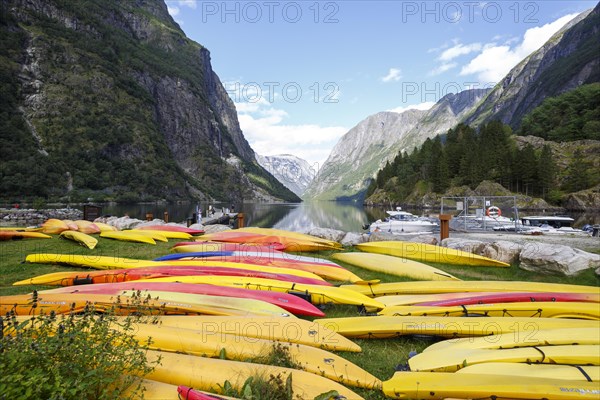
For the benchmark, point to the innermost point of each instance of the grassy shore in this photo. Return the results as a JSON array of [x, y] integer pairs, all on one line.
[[379, 357]]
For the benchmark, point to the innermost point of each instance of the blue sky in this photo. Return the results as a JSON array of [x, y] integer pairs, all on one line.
[[302, 73]]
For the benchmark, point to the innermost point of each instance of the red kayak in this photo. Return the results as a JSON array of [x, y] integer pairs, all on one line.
[[171, 228], [288, 302], [187, 393], [515, 297], [163, 271], [242, 247]]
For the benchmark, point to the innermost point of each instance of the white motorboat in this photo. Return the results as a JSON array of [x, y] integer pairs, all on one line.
[[403, 222], [554, 221]]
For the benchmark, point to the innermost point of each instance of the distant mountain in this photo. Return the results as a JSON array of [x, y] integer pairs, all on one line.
[[361, 152], [569, 59], [109, 100], [293, 172]]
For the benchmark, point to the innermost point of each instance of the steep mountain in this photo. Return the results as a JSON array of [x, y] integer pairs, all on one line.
[[366, 148], [569, 59], [293, 172], [359, 153], [110, 100]]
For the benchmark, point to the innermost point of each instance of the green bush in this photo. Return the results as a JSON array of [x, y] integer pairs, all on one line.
[[70, 357]]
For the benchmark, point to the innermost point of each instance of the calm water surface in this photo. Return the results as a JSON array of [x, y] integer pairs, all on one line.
[[347, 216]]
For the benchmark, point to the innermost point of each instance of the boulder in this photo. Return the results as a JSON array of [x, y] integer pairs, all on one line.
[[124, 223], [327, 234], [556, 259], [197, 226], [154, 222], [214, 228], [353, 238], [502, 250], [468, 245]]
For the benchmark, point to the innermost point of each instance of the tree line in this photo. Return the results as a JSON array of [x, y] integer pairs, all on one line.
[[465, 156]]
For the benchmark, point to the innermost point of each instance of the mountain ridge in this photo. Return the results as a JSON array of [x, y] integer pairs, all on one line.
[[111, 101], [534, 78], [571, 54], [369, 145], [293, 172]]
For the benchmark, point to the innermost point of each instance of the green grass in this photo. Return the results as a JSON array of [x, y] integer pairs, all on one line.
[[379, 357]]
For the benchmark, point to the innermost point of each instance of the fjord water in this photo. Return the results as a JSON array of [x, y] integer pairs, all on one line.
[[346, 216]]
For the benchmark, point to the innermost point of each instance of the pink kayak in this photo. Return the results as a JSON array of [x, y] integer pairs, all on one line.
[[288, 302], [187, 393], [223, 246], [515, 297], [171, 228], [163, 271]]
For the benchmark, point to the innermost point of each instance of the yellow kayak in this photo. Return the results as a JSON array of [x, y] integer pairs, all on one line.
[[210, 374], [105, 227], [452, 360], [250, 330], [443, 385], [151, 390], [81, 238], [318, 294], [156, 235], [449, 327], [429, 253], [64, 303], [394, 266], [54, 226], [104, 262], [167, 234], [199, 343], [237, 305], [405, 288], [127, 236], [529, 336], [531, 309], [550, 371], [87, 227], [18, 235]]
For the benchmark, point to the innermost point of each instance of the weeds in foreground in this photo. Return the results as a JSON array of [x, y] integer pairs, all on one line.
[[74, 356]]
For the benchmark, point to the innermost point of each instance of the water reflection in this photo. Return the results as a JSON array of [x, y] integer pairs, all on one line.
[[346, 216]]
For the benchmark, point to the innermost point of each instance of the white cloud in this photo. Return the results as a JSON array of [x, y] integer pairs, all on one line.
[[458, 50], [173, 10], [495, 61], [442, 68], [393, 75], [265, 129], [421, 106], [174, 6]]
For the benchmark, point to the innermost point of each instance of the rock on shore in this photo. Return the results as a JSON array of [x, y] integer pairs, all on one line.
[[27, 217], [532, 256]]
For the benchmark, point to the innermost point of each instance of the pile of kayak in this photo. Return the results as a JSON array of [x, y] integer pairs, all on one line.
[[218, 300]]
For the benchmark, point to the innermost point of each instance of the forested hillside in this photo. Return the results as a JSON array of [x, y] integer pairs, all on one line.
[[466, 157], [110, 100], [574, 115]]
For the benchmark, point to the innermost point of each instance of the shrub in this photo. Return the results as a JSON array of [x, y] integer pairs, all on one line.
[[85, 356]]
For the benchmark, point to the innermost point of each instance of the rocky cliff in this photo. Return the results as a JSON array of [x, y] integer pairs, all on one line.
[[366, 148], [569, 59], [110, 100], [293, 172]]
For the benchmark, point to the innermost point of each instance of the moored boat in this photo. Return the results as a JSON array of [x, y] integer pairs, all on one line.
[[400, 221]]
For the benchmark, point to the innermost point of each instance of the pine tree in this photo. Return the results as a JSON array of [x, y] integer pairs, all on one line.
[[546, 172], [578, 177]]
